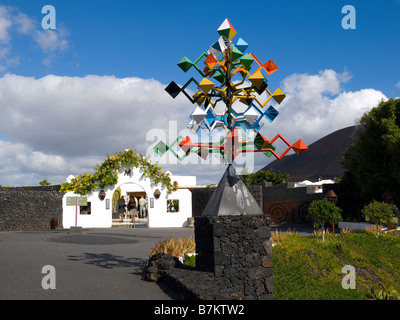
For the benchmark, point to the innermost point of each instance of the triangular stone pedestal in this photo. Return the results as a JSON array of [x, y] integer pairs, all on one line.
[[231, 197]]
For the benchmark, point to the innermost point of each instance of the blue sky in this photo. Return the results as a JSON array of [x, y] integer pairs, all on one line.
[[146, 39], [98, 44]]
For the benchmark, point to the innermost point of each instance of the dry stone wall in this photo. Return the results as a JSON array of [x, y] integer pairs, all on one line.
[[30, 208]]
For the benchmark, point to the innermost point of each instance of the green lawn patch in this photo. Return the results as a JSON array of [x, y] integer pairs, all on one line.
[[307, 268]]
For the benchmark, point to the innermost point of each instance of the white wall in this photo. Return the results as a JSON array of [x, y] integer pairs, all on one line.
[[161, 218], [101, 217]]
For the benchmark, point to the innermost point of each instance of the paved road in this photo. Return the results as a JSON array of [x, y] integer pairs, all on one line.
[[97, 264]]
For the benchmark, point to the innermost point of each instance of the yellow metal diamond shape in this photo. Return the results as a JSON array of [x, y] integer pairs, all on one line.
[[206, 85], [257, 79], [278, 95]]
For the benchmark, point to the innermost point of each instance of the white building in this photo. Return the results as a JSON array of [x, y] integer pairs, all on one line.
[[163, 210], [312, 187]]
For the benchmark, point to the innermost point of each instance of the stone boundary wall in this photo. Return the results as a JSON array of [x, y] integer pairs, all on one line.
[[283, 203], [284, 192], [287, 205], [30, 208], [40, 208]]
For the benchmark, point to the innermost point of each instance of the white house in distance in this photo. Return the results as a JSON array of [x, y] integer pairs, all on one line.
[[312, 187], [163, 209]]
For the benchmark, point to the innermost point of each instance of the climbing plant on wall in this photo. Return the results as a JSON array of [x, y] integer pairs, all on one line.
[[107, 173], [116, 196]]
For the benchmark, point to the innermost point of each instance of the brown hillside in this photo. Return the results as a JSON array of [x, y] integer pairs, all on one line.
[[321, 160]]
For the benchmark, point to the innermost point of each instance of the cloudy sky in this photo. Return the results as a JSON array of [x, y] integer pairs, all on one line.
[[95, 84]]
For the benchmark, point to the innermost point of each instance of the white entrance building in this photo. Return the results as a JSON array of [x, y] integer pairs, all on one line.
[[163, 209]]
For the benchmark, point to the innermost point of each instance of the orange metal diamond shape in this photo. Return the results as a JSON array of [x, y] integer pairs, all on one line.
[[299, 147], [211, 61], [270, 66]]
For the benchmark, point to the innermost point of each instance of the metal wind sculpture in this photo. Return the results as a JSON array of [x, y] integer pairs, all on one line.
[[222, 88], [216, 94]]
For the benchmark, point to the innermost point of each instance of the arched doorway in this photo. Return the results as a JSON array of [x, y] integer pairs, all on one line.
[[129, 190]]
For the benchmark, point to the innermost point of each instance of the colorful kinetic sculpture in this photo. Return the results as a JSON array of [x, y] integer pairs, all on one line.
[[226, 69]]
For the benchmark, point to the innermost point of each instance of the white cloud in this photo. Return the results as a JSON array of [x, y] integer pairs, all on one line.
[[24, 24], [316, 105], [14, 23], [62, 120], [398, 84], [52, 40], [20, 165], [5, 24], [58, 126]]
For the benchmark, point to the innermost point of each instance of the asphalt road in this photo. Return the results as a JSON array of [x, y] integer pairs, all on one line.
[[94, 265]]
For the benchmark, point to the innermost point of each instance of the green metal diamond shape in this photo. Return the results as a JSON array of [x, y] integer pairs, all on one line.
[[246, 61], [219, 76], [185, 64], [259, 141], [269, 153], [236, 53], [160, 148]]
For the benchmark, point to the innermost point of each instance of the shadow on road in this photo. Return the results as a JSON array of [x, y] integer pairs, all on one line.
[[110, 261]]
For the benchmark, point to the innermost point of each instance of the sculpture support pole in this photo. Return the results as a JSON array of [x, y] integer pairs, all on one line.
[[228, 103]]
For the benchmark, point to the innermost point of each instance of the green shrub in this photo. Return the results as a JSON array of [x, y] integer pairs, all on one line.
[[323, 211], [44, 183], [384, 294], [189, 261], [377, 213]]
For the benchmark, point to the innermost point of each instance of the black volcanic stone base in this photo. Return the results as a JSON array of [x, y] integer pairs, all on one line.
[[233, 261], [238, 250]]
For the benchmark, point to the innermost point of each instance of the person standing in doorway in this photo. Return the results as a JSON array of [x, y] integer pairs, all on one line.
[[142, 207], [132, 207], [121, 208]]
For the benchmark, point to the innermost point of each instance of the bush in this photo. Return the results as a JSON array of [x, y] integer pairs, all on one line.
[[189, 261], [393, 221], [44, 183], [377, 213], [323, 211], [384, 294]]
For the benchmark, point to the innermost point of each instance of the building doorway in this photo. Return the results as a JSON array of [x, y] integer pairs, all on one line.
[[129, 190], [136, 196]]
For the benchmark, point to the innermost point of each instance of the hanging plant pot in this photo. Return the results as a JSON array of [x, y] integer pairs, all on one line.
[[157, 193], [102, 195]]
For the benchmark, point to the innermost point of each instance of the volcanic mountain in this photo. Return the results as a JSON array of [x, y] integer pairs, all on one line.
[[322, 160]]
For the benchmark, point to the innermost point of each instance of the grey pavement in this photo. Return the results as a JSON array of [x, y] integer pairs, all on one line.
[[98, 264]]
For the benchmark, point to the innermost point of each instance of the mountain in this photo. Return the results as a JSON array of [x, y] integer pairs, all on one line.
[[321, 160]]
